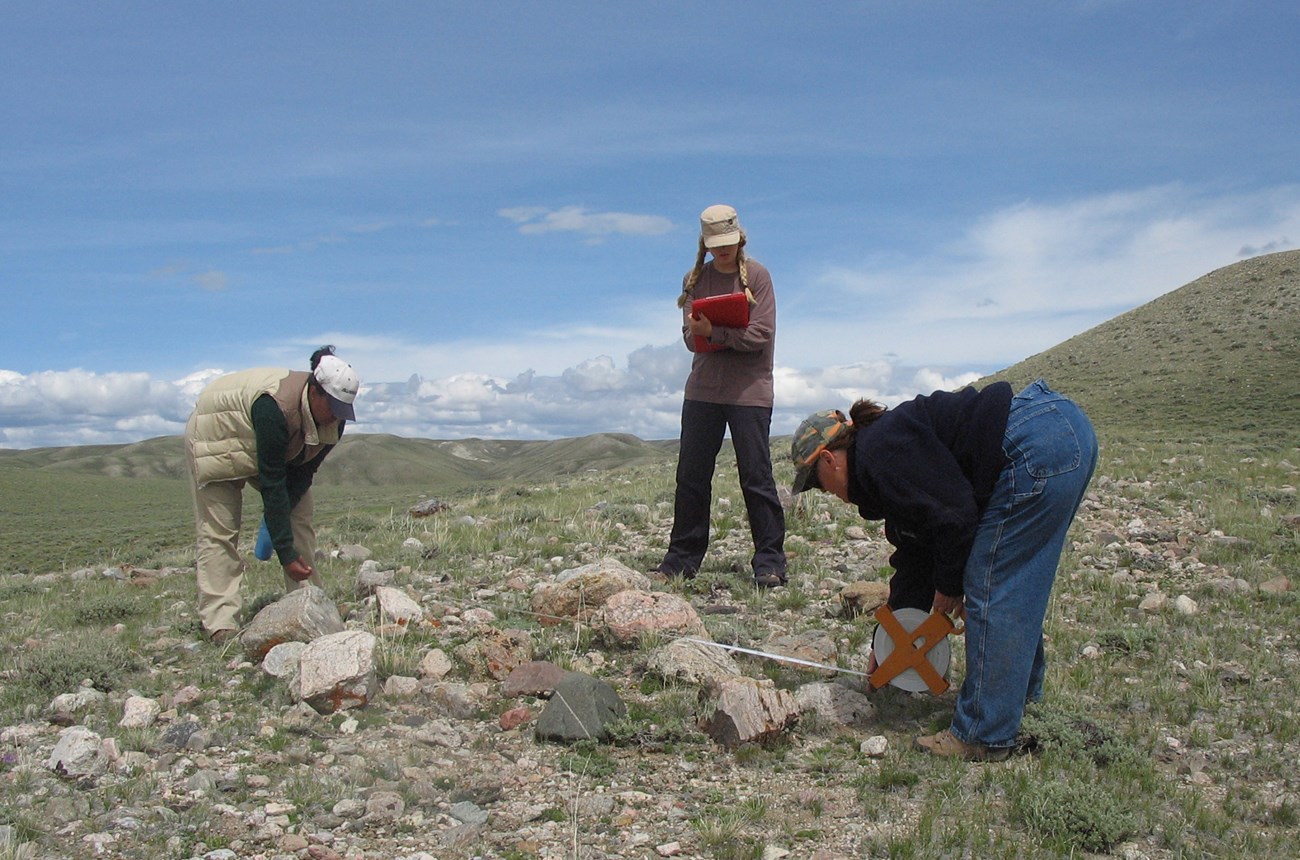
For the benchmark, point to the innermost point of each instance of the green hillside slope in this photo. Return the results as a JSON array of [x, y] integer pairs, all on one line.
[[1218, 356]]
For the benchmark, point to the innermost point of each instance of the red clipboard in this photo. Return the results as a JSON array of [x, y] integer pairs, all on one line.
[[731, 311]]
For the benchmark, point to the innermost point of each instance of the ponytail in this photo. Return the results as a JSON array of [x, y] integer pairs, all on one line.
[[865, 412]]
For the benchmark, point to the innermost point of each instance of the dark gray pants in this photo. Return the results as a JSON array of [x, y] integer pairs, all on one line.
[[703, 428]]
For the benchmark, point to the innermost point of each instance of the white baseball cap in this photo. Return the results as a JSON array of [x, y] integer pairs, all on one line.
[[340, 382]]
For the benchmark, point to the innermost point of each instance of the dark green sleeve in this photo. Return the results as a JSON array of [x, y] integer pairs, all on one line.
[[272, 434]]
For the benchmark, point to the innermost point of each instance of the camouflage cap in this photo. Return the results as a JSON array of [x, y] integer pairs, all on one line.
[[815, 432]]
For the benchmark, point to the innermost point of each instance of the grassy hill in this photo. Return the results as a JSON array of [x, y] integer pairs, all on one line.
[[1217, 357]]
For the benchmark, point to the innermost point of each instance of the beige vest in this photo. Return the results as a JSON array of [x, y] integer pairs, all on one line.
[[220, 434]]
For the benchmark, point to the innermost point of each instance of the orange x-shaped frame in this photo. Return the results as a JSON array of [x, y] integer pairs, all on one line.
[[910, 649]]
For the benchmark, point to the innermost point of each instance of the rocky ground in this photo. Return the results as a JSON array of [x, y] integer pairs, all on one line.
[[221, 757]]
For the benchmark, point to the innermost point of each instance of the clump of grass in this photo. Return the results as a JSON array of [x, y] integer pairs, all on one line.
[[399, 655], [106, 609], [62, 665], [588, 759], [722, 834], [1074, 814], [1073, 736], [1129, 640]]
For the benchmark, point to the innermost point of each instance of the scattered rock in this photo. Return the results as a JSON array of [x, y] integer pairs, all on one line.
[[1276, 585], [1153, 602], [692, 662], [582, 708], [744, 710], [835, 704], [351, 552], [435, 664], [371, 577], [428, 508], [629, 615], [79, 753], [337, 671], [139, 712], [497, 653], [875, 746], [397, 607], [66, 705], [579, 592], [535, 678], [863, 597], [813, 646], [283, 660]]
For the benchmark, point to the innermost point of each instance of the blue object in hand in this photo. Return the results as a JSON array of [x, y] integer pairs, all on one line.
[[263, 548]]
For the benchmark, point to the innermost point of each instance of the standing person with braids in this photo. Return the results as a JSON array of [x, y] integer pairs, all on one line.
[[728, 388], [270, 427], [977, 490]]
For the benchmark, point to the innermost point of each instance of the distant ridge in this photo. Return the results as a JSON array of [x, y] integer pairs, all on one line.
[[1219, 355], [377, 459]]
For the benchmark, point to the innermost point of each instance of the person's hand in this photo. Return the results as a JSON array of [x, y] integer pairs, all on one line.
[[954, 607], [299, 570], [700, 326]]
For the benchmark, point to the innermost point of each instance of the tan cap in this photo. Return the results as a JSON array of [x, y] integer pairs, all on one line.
[[719, 225]]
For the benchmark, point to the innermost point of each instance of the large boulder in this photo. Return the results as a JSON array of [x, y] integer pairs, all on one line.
[[629, 615], [302, 615], [579, 592], [337, 671]]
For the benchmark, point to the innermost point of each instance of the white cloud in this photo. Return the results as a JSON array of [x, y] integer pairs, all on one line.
[[594, 225], [1025, 278]]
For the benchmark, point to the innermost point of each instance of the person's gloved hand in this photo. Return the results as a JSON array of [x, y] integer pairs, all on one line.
[[298, 569]]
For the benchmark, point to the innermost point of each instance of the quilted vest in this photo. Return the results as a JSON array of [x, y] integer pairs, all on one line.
[[223, 444]]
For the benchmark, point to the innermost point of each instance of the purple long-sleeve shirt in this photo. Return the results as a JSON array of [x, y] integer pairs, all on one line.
[[741, 374]]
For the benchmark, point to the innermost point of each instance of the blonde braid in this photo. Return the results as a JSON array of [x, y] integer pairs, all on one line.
[[693, 277], [743, 262]]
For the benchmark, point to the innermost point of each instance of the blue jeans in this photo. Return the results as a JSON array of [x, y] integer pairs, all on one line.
[[1012, 565], [703, 428]]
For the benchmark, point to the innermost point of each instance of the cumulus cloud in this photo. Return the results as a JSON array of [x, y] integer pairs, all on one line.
[[641, 396], [80, 407], [596, 226]]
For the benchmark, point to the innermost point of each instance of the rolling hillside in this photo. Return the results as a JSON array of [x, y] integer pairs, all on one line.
[[375, 459], [1220, 355]]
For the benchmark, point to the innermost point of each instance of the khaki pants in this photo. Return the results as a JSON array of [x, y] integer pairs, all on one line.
[[218, 508]]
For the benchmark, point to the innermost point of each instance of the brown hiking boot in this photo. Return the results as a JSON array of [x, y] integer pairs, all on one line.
[[946, 744]]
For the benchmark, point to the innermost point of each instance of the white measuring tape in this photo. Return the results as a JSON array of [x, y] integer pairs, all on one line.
[[783, 658]]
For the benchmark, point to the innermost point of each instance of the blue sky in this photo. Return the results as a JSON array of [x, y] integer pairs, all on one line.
[[489, 207]]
